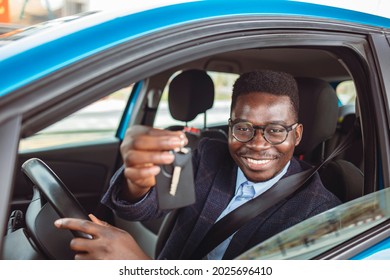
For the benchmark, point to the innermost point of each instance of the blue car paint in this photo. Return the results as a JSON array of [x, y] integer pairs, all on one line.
[[121, 131], [379, 248], [35, 60]]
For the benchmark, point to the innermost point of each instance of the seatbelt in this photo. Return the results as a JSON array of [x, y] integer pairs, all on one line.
[[285, 187]]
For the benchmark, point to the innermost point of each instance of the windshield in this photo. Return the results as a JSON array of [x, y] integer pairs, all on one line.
[[30, 30], [324, 231]]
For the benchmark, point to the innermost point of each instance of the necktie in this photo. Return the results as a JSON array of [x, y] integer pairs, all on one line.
[[245, 193]]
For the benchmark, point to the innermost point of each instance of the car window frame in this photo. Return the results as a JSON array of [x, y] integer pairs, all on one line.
[[9, 131], [379, 231], [109, 71], [381, 52]]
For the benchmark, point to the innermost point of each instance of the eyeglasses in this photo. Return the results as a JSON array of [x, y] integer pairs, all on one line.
[[272, 133]]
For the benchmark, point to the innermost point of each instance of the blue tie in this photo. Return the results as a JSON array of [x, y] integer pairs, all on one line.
[[245, 193]]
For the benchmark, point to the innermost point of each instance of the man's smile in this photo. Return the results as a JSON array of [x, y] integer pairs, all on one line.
[[258, 163]]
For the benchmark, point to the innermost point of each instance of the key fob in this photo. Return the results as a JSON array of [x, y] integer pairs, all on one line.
[[175, 183]]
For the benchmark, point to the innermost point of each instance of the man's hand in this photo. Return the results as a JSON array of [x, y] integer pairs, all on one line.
[[108, 243], [143, 149]]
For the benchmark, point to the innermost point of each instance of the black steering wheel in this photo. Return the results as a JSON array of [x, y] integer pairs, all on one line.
[[40, 216]]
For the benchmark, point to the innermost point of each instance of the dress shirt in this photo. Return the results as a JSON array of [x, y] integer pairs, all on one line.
[[245, 191]]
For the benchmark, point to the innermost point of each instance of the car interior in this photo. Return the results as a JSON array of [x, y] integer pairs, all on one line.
[[192, 93]]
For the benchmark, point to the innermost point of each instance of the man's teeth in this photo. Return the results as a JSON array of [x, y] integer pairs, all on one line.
[[254, 161]]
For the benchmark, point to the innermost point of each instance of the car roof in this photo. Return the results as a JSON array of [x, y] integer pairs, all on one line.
[[83, 35]]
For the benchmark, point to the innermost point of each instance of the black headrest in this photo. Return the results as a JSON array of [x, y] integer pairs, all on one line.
[[190, 94], [318, 112], [348, 123]]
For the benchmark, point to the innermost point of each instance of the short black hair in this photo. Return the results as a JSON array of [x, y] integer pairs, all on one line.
[[276, 83]]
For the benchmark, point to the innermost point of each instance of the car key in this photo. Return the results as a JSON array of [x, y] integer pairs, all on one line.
[[178, 163], [175, 183], [175, 180]]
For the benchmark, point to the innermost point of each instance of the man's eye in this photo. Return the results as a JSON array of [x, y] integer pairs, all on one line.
[[242, 128], [276, 130]]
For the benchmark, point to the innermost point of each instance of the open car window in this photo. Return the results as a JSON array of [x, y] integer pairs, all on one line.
[[217, 115], [97, 121], [318, 234]]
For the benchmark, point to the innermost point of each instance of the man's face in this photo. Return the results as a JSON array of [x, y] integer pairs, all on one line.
[[258, 159]]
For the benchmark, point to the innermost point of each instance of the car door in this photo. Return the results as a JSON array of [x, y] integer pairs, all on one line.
[[116, 67], [82, 149]]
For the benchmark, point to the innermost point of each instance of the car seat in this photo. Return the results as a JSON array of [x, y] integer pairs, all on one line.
[[350, 159], [319, 114], [192, 93], [354, 153]]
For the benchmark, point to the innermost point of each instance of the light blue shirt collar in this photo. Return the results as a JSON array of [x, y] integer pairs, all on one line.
[[260, 187]]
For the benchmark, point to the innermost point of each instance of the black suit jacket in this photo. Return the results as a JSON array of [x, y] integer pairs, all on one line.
[[215, 178]]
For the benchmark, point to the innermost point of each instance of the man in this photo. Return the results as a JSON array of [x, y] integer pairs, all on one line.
[[263, 132]]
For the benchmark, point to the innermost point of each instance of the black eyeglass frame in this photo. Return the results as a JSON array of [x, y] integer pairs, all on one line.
[[288, 128]]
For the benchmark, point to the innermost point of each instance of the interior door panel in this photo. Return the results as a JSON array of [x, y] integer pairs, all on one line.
[[85, 169]]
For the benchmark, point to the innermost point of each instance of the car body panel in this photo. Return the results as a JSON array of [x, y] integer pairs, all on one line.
[[78, 36], [379, 251]]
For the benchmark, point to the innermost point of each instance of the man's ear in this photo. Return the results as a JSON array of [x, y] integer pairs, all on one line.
[[298, 134]]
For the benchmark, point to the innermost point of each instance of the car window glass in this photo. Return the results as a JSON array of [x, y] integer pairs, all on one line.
[[217, 115], [346, 93], [326, 230], [98, 120]]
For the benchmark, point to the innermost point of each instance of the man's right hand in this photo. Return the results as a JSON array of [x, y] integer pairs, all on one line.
[[143, 149]]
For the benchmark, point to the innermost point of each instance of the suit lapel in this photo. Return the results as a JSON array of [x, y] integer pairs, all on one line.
[[221, 192], [253, 229]]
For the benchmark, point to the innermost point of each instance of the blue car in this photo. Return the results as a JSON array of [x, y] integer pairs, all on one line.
[[70, 88]]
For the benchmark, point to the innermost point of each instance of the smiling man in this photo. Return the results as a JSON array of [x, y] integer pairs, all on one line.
[[263, 132], [264, 128]]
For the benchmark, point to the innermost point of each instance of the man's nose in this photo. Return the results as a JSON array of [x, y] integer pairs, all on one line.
[[259, 141]]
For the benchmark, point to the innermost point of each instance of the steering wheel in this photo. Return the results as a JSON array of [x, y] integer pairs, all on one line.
[[40, 215]]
